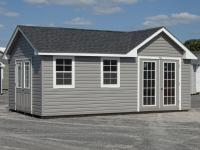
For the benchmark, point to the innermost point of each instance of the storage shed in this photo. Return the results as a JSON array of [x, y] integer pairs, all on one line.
[[3, 72], [62, 71], [195, 74]]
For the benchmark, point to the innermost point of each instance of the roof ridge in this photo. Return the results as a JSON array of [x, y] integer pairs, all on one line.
[[98, 30]]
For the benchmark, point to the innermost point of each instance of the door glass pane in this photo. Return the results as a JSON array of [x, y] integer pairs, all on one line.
[[149, 83], [169, 83], [19, 75], [26, 74]]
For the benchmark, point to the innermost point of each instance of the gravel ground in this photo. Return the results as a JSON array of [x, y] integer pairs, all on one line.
[[152, 131]]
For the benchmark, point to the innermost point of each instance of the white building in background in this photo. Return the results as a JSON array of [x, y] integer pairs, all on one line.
[[3, 70], [2, 49], [195, 74]]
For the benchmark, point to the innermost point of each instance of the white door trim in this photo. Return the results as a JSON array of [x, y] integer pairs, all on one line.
[[24, 59], [138, 78]]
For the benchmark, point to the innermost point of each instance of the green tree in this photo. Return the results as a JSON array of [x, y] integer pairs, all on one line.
[[193, 45]]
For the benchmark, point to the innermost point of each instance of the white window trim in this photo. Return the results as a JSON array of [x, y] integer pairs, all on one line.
[[29, 74], [17, 85], [155, 84], [54, 72], [118, 73], [166, 105]]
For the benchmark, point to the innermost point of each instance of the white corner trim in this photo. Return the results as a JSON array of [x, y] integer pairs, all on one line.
[[180, 84], [11, 41], [118, 74], [138, 84], [54, 72], [188, 54]]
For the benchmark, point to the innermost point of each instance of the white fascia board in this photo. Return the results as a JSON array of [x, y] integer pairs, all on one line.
[[11, 41], [188, 54], [85, 54], [135, 50]]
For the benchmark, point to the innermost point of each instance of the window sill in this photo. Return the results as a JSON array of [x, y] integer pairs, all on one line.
[[110, 86], [63, 86]]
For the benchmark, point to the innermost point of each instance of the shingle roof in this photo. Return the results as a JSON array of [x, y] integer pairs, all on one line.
[[66, 40]]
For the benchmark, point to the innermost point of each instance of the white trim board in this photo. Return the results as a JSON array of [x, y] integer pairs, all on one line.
[[84, 54]]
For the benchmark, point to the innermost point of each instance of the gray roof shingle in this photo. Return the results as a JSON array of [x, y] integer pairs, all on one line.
[[66, 40]]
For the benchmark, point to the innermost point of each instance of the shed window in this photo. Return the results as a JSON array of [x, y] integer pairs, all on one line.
[[27, 74], [110, 72], [64, 72], [19, 74]]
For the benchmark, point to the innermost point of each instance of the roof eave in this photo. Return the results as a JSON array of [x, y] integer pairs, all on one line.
[[86, 54], [188, 54]]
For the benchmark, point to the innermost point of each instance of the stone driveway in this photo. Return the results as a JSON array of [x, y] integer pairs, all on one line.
[[153, 131]]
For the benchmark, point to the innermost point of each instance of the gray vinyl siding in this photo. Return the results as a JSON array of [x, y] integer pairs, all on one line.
[[21, 49], [161, 46], [5, 77], [88, 97], [186, 84], [193, 78]]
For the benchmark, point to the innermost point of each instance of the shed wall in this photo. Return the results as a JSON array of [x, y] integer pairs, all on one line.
[[162, 46], [20, 50], [88, 97]]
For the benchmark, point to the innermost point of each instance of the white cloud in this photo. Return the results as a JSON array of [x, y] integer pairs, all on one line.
[[100, 6], [5, 12], [62, 2], [37, 1], [78, 21], [108, 10], [126, 1], [79, 2], [171, 20], [12, 14], [1, 26]]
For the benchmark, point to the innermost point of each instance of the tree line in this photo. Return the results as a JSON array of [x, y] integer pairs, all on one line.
[[193, 45]]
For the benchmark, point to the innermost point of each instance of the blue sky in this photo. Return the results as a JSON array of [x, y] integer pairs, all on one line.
[[181, 17]]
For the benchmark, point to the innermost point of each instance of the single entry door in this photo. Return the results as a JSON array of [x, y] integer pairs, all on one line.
[[23, 85], [159, 88]]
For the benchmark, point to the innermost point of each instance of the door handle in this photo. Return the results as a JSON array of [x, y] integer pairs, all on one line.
[[161, 88]]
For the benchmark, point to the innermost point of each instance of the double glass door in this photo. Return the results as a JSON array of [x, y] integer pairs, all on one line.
[[158, 84]]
